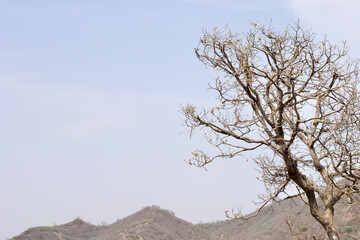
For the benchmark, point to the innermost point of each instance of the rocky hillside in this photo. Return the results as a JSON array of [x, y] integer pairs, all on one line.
[[290, 220], [149, 223]]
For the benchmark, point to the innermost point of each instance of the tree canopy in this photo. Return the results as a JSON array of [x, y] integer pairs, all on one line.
[[290, 93]]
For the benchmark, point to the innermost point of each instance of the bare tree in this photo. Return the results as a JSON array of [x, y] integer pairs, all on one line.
[[294, 95]]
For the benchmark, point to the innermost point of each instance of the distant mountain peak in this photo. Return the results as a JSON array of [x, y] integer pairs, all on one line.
[[78, 221]]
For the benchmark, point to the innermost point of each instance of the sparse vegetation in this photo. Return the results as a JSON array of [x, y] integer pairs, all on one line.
[[348, 229], [303, 228], [204, 225], [132, 237], [147, 220], [269, 210], [103, 223]]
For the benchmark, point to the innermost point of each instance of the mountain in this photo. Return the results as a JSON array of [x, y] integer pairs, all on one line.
[[77, 229], [285, 221], [153, 223], [149, 223]]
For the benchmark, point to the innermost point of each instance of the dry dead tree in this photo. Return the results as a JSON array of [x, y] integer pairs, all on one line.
[[294, 95]]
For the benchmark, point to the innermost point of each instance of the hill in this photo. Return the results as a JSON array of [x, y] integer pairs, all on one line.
[[285, 221], [149, 223]]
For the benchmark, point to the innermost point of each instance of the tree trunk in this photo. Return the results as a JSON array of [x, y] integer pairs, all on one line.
[[326, 220], [332, 234]]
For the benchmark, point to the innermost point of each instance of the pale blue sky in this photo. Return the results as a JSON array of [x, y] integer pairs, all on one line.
[[89, 94]]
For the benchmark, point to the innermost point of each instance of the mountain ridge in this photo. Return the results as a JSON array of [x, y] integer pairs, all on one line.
[[289, 220]]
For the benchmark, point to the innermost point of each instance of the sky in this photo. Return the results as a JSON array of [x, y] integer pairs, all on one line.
[[89, 104]]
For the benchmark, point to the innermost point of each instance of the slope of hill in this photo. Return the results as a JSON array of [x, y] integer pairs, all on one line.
[[149, 223], [77, 229], [153, 223], [285, 221]]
